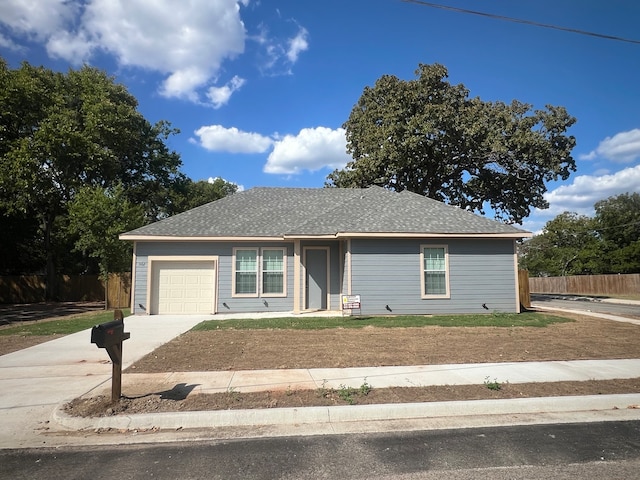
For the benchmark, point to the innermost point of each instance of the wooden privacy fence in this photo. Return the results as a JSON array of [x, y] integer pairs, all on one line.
[[119, 290], [69, 288], [587, 284]]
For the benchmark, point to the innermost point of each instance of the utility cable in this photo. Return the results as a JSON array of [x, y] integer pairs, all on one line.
[[519, 20]]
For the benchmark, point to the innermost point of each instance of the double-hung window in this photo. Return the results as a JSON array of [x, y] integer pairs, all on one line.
[[259, 272], [435, 271], [245, 272], [273, 271]]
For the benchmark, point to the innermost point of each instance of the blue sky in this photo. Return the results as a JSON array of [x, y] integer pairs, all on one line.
[[260, 89]]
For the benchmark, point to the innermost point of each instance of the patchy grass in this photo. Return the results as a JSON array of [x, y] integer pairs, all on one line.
[[63, 326], [526, 319]]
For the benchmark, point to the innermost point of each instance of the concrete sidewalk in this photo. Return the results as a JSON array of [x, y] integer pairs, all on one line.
[[378, 377], [35, 382]]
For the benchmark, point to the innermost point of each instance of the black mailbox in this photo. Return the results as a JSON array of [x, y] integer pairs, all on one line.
[[109, 334]]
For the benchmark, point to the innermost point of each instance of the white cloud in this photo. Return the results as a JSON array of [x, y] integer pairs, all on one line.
[[297, 45], [9, 44], [220, 96], [581, 195], [278, 56], [76, 46], [37, 19], [220, 139], [623, 147], [187, 41], [312, 149], [184, 84]]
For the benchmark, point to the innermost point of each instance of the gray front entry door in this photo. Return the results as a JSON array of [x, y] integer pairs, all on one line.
[[316, 281]]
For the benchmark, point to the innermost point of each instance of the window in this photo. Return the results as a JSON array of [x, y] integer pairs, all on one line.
[[246, 272], [266, 264], [435, 271], [273, 271]]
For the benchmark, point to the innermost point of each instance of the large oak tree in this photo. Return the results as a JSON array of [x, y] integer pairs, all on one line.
[[62, 132], [427, 136]]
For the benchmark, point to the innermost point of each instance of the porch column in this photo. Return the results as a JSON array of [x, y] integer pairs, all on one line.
[[348, 258], [297, 277]]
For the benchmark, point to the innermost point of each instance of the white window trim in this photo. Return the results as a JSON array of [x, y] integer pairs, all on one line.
[[259, 283], [233, 276], [284, 273], [447, 273]]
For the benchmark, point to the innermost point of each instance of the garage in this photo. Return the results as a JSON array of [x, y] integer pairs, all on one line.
[[183, 287]]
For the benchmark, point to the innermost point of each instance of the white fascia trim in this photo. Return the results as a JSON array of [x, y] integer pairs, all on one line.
[[162, 238], [346, 235], [435, 235]]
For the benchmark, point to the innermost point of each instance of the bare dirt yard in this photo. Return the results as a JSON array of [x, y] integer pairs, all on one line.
[[584, 338]]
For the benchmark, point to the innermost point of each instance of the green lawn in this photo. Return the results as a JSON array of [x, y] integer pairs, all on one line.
[[62, 326], [527, 319], [83, 322]]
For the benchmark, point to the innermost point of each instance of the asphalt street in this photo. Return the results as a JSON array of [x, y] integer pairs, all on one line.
[[593, 450], [587, 304]]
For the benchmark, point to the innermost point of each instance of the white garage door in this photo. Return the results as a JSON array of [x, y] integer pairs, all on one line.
[[183, 287]]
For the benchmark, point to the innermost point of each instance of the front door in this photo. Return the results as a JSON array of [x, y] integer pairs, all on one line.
[[316, 278]]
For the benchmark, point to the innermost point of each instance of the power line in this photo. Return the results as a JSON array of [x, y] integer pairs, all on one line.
[[519, 20]]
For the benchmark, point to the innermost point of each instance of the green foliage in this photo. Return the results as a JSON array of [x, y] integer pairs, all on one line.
[[527, 319], [427, 136], [62, 132], [568, 245], [617, 222], [96, 217], [349, 395], [365, 388], [492, 385], [188, 194], [64, 326], [65, 131], [573, 244]]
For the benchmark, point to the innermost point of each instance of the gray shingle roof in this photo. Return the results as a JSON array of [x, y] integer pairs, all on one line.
[[279, 212]]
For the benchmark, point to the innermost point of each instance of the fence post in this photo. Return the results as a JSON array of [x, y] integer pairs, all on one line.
[[523, 288]]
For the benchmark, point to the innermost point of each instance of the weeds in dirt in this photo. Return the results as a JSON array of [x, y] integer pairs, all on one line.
[[349, 395], [233, 394], [492, 385], [365, 388], [322, 391]]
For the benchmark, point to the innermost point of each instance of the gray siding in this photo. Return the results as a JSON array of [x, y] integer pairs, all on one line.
[[387, 272], [384, 272], [224, 251]]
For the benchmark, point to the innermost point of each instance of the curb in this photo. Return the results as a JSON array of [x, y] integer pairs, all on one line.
[[628, 403]]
